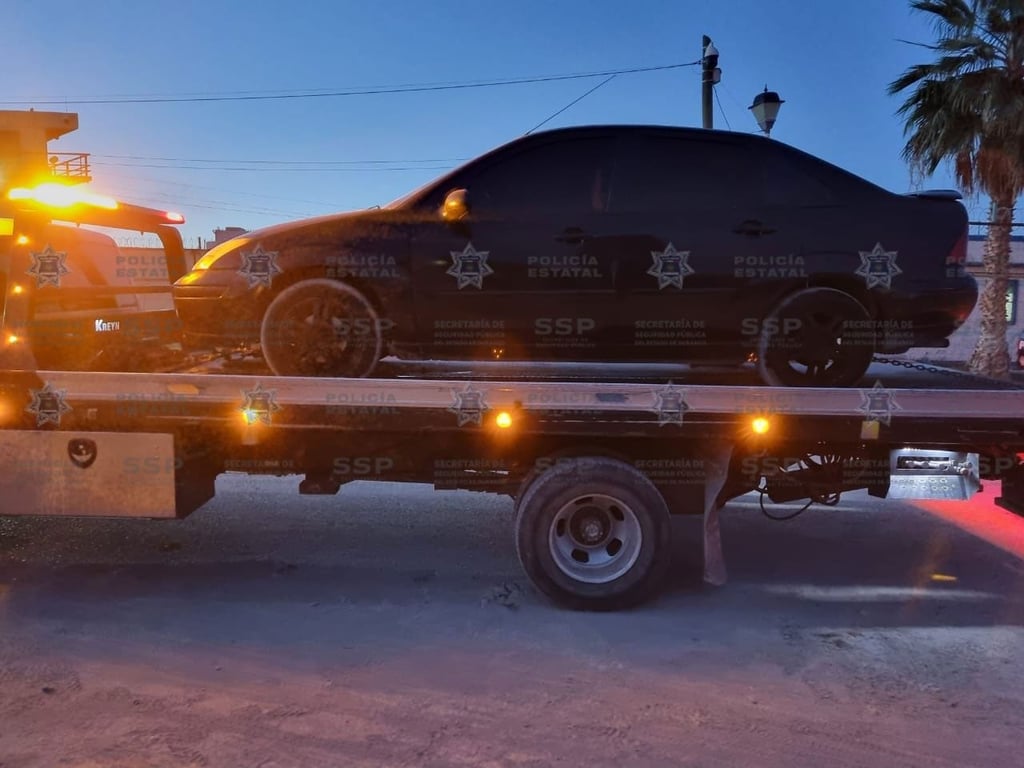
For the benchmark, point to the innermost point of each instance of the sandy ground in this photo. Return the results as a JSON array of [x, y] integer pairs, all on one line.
[[391, 626]]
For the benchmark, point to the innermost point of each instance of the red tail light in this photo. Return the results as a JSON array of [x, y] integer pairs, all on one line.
[[958, 256]]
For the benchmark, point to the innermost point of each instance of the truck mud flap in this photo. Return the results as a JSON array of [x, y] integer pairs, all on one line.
[[88, 474], [1012, 497]]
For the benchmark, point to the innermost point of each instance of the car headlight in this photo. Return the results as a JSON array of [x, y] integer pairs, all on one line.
[[218, 252]]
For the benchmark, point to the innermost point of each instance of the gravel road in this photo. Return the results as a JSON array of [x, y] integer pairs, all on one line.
[[391, 626]]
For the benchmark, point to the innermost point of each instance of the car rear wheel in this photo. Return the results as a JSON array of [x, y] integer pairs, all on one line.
[[321, 327], [818, 337]]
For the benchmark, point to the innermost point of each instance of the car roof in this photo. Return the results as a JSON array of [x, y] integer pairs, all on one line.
[[585, 131], [622, 130], [628, 129]]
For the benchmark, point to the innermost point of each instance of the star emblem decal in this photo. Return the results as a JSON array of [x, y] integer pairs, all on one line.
[[259, 266], [48, 266], [48, 405], [878, 267], [470, 267], [879, 404], [670, 405], [670, 266], [468, 406], [259, 405]]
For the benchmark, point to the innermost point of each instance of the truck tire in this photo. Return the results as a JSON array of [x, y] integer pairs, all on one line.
[[321, 327], [593, 533], [817, 337]]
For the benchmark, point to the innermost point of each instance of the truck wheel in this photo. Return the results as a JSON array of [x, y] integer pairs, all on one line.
[[321, 327], [593, 533], [818, 337]]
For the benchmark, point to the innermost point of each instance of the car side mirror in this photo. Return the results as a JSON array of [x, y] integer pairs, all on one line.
[[456, 206]]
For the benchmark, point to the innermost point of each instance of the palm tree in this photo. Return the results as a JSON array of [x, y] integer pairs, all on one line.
[[966, 106]]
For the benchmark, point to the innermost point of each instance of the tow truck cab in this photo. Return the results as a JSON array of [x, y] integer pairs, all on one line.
[[68, 290], [84, 303]]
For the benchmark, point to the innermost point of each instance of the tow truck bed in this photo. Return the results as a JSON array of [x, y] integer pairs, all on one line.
[[152, 445]]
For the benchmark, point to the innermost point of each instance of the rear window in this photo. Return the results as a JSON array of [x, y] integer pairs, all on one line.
[[786, 181], [787, 177]]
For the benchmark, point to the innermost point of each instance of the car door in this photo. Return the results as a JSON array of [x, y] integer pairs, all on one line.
[[513, 279], [692, 227]]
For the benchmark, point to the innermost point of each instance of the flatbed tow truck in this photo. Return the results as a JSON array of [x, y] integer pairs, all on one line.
[[596, 459]]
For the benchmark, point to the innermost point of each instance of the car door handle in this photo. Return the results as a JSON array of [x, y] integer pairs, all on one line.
[[753, 228], [572, 235]]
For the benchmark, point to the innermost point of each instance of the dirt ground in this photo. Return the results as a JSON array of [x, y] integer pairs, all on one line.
[[392, 626]]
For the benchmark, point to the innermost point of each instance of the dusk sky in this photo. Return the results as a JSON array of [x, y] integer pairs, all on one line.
[[251, 163]]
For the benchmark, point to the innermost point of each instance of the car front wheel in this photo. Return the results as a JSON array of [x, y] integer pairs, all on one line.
[[321, 327]]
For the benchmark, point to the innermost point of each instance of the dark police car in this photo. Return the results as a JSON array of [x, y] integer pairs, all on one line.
[[607, 243]]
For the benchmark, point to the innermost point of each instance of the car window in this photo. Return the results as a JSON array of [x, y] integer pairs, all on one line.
[[786, 180], [561, 176], [664, 173]]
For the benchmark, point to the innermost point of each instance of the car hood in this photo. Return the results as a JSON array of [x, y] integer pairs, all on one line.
[[331, 221], [309, 231]]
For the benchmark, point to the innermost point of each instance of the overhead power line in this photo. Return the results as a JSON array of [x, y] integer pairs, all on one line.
[[279, 162], [722, 110], [575, 101], [305, 169], [363, 91]]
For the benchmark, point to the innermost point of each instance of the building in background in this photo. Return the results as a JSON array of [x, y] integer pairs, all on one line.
[[961, 343], [222, 235]]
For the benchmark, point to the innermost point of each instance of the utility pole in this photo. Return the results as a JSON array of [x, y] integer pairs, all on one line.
[[710, 75]]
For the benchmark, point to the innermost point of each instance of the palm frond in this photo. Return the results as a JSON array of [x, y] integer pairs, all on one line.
[[966, 105], [956, 14]]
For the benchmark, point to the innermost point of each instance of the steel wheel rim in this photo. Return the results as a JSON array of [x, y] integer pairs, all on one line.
[[595, 539]]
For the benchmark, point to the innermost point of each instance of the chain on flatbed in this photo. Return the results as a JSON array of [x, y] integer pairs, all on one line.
[[949, 373]]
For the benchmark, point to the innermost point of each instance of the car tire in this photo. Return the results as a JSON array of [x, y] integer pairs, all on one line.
[[628, 556], [817, 337], [321, 327]]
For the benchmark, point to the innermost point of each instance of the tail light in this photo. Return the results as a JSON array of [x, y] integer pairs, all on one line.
[[958, 256]]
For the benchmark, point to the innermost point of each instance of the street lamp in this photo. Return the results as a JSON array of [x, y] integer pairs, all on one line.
[[766, 109]]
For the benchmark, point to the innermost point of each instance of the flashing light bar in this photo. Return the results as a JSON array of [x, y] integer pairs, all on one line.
[[62, 196]]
